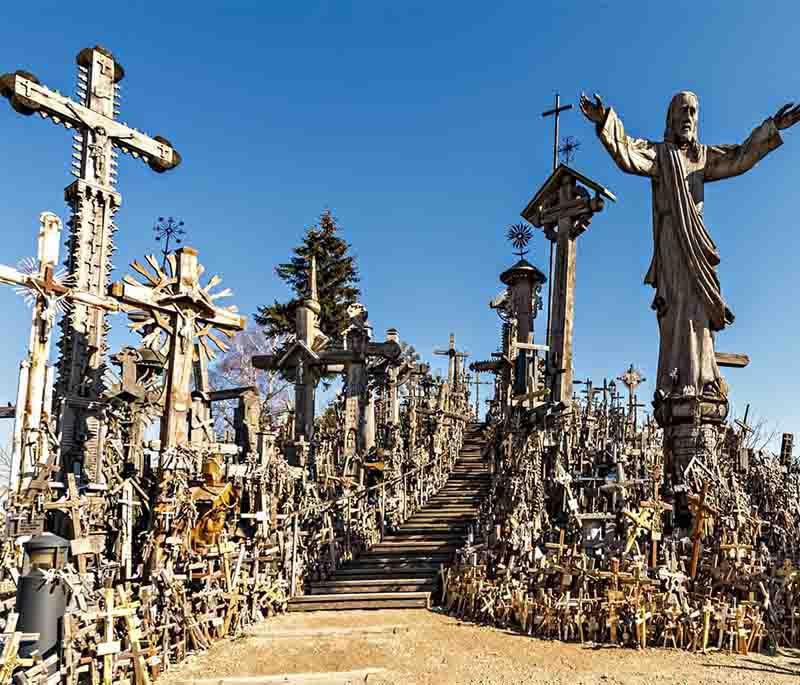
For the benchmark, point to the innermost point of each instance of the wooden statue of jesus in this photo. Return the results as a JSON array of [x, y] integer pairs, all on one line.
[[688, 300]]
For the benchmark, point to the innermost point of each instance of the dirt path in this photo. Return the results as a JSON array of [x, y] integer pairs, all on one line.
[[421, 647]]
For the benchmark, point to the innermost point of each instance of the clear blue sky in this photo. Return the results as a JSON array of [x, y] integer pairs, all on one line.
[[418, 125]]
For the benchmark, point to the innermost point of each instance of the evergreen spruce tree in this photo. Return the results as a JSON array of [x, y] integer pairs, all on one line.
[[337, 276]]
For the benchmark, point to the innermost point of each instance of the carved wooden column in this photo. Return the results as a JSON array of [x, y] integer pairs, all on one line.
[[30, 445], [524, 281]]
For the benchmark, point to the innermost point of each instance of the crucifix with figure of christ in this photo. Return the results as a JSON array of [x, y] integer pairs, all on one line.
[[93, 201], [36, 281], [177, 316]]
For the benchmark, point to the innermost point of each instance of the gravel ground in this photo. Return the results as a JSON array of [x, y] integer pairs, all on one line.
[[422, 647]]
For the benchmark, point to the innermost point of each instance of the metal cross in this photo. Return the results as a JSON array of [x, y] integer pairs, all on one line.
[[556, 112], [568, 147]]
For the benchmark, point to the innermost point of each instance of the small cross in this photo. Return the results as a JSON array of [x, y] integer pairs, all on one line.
[[568, 147], [615, 575], [560, 546], [702, 510], [10, 659]]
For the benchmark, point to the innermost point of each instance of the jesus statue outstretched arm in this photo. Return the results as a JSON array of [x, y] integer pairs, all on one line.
[[632, 155], [726, 161]]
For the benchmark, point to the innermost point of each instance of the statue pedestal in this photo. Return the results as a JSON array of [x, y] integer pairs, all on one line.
[[691, 427]]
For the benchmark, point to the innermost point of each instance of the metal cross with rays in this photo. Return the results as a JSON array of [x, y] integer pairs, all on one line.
[[168, 229], [177, 317], [519, 235], [569, 146]]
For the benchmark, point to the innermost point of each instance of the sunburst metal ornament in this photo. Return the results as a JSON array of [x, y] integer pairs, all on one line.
[[168, 229], [569, 146], [519, 235], [189, 309]]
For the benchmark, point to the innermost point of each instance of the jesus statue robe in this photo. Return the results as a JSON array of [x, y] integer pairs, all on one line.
[[688, 300]]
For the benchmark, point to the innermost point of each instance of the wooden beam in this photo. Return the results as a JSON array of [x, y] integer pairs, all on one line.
[[732, 360]]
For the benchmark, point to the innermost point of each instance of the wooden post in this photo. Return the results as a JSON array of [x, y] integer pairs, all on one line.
[[294, 554], [348, 541], [382, 512]]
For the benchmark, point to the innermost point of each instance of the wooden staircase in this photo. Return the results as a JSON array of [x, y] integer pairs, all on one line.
[[402, 570]]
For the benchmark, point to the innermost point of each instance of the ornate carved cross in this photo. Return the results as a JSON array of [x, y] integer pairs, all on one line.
[[455, 358], [173, 311], [93, 202]]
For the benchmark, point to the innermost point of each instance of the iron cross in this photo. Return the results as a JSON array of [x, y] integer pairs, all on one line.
[[556, 112]]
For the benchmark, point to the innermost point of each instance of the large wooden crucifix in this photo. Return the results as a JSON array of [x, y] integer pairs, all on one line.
[[173, 312], [93, 202], [47, 296]]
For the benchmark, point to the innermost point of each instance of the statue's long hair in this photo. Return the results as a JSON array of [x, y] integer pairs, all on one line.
[[671, 136]]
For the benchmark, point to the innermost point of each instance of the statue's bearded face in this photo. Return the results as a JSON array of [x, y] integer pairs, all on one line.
[[683, 118]]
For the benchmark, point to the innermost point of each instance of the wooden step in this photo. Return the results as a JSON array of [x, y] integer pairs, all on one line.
[[353, 586], [399, 555], [361, 600], [423, 535], [389, 548], [433, 529], [410, 565], [440, 516], [379, 572]]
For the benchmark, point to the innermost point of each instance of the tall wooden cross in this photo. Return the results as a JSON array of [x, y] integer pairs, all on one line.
[[702, 511], [564, 208], [455, 357], [46, 295], [556, 114], [477, 382], [632, 378], [173, 312], [93, 202]]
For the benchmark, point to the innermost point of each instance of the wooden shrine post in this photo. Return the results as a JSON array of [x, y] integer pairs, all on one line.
[[564, 208], [93, 202], [523, 283]]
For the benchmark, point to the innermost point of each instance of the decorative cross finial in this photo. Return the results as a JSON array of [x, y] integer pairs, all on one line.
[[569, 146], [168, 229], [519, 235]]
